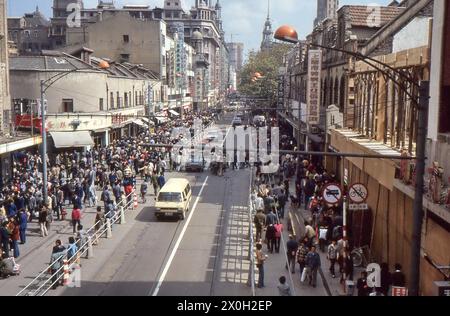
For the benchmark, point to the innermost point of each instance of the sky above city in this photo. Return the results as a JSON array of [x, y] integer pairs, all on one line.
[[243, 19]]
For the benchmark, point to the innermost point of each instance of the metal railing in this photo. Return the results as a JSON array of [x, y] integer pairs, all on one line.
[[43, 282], [251, 249]]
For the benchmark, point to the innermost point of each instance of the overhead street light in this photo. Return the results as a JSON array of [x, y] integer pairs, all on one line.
[[288, 34]]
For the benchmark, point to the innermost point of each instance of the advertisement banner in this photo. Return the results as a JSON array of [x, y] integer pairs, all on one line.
[[313, 91]]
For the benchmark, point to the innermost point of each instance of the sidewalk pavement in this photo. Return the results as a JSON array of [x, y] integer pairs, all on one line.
[[334, 287], [35, 253]]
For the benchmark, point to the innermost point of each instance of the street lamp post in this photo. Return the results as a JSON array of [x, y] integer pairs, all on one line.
[[288, 34]]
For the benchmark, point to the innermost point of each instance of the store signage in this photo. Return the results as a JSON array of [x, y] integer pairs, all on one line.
[[313, 91]]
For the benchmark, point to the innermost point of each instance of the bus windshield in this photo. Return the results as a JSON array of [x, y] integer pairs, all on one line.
[[169, 197]]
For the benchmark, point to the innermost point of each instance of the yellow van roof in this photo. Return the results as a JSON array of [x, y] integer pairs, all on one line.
[[175, 185]]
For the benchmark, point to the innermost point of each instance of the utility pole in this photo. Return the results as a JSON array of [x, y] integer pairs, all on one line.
[[424, 99], [44, 144]]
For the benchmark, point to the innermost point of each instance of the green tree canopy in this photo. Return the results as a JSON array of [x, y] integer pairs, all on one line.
[[267, 63]]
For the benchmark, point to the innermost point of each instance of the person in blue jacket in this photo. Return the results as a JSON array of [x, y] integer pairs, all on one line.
[[23, 223], [12, 209]]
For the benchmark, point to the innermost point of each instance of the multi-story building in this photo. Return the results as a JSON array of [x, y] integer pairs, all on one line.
[[91, 102], [204, 17], [63, 10], [10, 140], [380, 116], [5, 105], [29, 33], [236, 56], [326, 9], [350, 29]]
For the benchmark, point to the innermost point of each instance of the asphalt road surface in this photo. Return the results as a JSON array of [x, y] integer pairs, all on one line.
[[204, 255]]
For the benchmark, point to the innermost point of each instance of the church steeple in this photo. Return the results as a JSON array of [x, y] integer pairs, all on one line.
[[266, 43]]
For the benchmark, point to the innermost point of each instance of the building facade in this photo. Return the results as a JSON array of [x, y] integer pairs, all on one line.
[[5, 105], [204, 17], [29, 33], [104, 102], [378, 115], [326, 9]]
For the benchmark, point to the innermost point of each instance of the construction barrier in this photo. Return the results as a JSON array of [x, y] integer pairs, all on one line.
[[66, 270], [122, 216], [135, 202]]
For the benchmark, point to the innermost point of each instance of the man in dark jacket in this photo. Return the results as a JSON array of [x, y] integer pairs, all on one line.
[[398, 277], [291, 247], [23, 223], [361, 285], [313, 264]]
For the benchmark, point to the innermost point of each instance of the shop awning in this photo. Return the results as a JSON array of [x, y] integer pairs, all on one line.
[[140, 123], [174, 113], [161, 119], [72, 139]]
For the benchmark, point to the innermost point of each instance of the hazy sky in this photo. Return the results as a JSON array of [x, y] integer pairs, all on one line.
[[242, 18]]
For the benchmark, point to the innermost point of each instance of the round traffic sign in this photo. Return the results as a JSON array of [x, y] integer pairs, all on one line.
[[358, 193], [332, 194]]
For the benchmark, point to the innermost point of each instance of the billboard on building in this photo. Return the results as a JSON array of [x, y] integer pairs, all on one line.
[[313, 91]]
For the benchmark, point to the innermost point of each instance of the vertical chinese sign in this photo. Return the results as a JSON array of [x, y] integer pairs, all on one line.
[[313, 92]]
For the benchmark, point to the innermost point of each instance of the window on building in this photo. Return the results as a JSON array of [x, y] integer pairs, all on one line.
[[136, 101], [126, 38], [100, 104], [111, 100], [125, 95], [36, 34], [67, 105], [119, 105], [124, 58]]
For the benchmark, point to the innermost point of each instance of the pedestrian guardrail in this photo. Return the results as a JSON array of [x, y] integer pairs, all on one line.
[[47, 278], [251, 248]]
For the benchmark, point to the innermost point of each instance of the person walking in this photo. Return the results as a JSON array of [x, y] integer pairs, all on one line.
[[23, 224], [43, 217], [56, 262], [398, 277], [259, 221], [281, 204], [313, 264], [292, 247], [5, 234], [332, 256], [99, 221], [260, 259], [13, 227], [283, 288], [76, 219], [72, 251], [302, 252], [278, 231], [144, 188], [310, 233], [361, 285], [270, 237], [386, 279]]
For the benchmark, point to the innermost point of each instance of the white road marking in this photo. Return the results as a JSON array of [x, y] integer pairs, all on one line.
[[177, 244]]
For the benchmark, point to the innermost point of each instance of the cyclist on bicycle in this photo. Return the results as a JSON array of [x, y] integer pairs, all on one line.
[[144, 188]]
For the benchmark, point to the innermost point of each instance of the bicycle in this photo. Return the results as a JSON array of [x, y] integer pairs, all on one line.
[[361, 256]]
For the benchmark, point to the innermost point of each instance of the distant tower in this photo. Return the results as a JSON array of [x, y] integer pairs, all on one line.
[[326, 9], [266, 43]]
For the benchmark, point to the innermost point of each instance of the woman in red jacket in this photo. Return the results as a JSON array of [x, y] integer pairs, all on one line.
[[13, 227], [76, 218]]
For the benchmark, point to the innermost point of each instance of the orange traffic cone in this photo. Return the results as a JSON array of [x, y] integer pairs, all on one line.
[[66, 275], [135, 204]]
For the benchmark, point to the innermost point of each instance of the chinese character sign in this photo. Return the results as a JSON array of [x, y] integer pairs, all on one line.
[[313, 92]]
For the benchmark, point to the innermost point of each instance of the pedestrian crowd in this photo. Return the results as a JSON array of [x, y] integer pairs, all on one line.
[[75, 176]]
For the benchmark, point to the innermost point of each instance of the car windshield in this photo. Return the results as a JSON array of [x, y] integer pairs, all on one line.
[[169, 197]]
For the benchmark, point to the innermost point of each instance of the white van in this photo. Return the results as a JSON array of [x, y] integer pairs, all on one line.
[[174, 199]]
